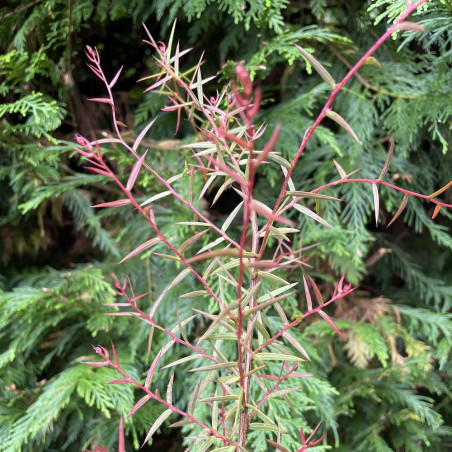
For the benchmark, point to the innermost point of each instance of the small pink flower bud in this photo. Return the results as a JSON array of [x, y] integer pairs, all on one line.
[[82, 141]]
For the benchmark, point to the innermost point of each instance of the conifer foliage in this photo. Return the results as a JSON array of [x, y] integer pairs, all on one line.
[[313, 313]]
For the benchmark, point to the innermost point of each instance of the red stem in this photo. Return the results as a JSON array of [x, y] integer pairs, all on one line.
[[410, 8]]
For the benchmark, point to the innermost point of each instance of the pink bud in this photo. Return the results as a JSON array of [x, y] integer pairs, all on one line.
[[82, 141]]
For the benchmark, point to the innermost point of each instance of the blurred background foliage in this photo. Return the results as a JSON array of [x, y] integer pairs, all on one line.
[[388, 387]]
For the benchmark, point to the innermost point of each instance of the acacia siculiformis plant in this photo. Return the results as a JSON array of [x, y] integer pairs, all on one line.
[[226, 152]]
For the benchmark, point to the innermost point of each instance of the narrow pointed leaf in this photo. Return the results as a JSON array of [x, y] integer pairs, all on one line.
[[158, 422], [436, 211], [155, 197], [115, 79], [220, 398], [189, 242], [182, 360], [181, 423], [266, 212], [308, 295], [194, 397], [231, 217], [226, 365], [121, 439], [277, 357], [142, 134], [149, 34], [159, 83], [269, 275], [199, 87], [343, 123], [115, 355], [194, 294], [307, 194], [101, 99], [144, 246], [167, 256], [97, 170], [312, 215], [317, 293], [341, 171], [181, 327], [269, 146], [176, 60], [376, 202], [217, 320], [120, 381], [410, 26], [282, 392], [180, 277], [205, 445], [388, 160], [169, 390], [95, 363], [277, 446], [288, 336], [320, 69], [441, 190], [135, 170], [208, 79], [138, 405], [227, 252], [118, 203], [331, 323], [263, 426], [170, 42], [261, 414], [224, 449]]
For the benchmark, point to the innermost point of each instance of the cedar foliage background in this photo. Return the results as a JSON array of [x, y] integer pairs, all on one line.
[[388, 387]]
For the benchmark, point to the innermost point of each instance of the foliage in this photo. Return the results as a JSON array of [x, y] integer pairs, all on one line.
[[387, 387]]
